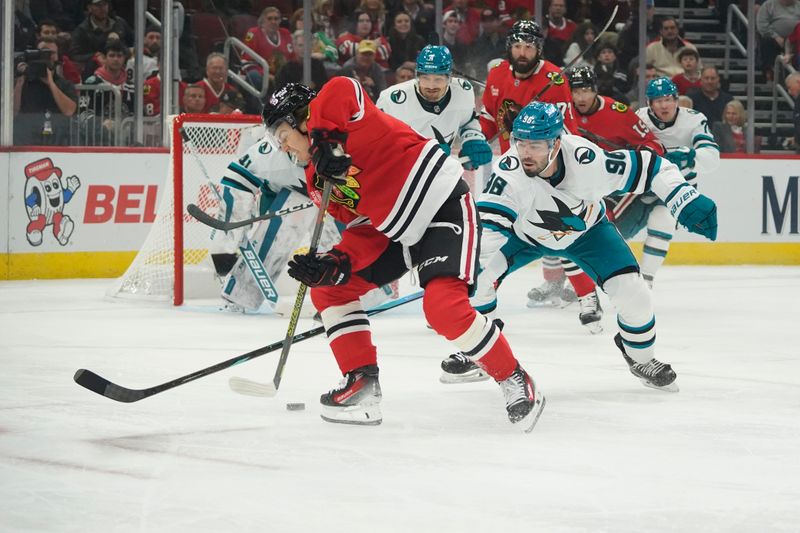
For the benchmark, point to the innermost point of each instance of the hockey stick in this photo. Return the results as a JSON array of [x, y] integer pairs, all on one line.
[[252, 261], [579, 56], [255, 388], [208, 220], [100, 385], [469, 78]]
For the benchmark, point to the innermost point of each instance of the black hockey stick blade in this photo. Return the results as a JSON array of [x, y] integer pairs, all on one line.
[[208, 220], [100, 385]]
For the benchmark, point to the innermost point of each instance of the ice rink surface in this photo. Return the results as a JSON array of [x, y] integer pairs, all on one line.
[[608, 455]]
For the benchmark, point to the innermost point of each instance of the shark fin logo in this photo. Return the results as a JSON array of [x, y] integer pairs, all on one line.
[[509, 163], [584, 155], [399, 96]]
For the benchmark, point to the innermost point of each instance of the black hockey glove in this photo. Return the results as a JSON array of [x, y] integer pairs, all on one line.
[[319, 270], [328, 155]]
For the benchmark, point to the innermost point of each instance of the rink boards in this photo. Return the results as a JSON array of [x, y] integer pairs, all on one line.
[[118, 192]]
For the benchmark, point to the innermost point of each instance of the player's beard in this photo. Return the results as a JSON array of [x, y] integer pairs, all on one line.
[[522, 66]]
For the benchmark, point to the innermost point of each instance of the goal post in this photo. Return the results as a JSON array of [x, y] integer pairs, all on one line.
[[174, 263]]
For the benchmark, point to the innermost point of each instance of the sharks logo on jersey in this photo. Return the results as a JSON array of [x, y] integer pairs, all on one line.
[[562, 222], [509, 163], [264, 148], [466, 85], [398, 96], [584, 155]]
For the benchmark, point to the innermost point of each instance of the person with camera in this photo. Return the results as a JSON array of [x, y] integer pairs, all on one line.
[[43, 100]]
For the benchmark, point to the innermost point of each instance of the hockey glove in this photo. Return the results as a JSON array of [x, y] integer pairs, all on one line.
[[319, 270], [700, 216], [478, 151], [682, 157], [328, 156]]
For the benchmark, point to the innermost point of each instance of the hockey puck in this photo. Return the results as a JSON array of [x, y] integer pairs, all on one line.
[[295, 406]]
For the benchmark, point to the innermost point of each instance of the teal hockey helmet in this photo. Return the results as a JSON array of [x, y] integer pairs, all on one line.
[[660, 87], [538, 121], [434, 60]]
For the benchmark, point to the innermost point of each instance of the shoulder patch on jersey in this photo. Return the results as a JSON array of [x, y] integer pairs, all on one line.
[[509, 163], [265, 148], [248, 36], [619, 106], [557, 78], [584, 155], [399, 96], [467, 86]]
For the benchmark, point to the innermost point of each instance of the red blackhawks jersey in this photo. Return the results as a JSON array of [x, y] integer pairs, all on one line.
[[398, 179], [615, 122], [504, 91], [151, 99], [276, 53]]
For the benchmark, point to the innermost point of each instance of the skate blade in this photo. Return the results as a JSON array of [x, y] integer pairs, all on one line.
[[252, 388], [358, 415], [534, 304], [594, 327], [672, 387], [467, 377], [529, 422]]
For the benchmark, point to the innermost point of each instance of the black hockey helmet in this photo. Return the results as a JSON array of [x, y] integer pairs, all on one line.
[[289, 104], [527, 31], [582, 77]]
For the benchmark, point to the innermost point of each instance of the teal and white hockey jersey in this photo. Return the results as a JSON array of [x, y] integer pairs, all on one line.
[[689, 130], [454, 117]]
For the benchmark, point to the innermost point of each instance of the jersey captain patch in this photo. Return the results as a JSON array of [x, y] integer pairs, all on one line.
[[619, 106], [557, 78]]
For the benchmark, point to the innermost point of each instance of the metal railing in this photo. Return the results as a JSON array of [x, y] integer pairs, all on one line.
[[777, 89], [233, 42], [731, 37], [99, 119]]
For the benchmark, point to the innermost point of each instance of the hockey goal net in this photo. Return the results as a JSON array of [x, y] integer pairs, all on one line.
[[174, 263]]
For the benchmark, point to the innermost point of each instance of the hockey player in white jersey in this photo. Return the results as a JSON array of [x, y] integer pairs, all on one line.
[[545, 197], [266, 175], [439, 106], [690, 146]]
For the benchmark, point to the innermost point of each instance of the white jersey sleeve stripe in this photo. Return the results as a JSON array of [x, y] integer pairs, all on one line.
[[359, 99]]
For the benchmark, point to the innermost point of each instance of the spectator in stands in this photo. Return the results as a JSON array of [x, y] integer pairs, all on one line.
[[599, 10], [422, 15], [91, 36], [216, 81], [230, 102], [363, 27], [113, 60], [292, 72], [685, 101], [582, 37], [663, 52], [491, 44], [101, 103], [403, 40], [194, 99], [776, 21], [633, 77], [612, 81], [324, 47], [406, 71], [729, 133], [325, 19], [793, 88], [709, 99], [690, 77], [451, 26], [64, 65], [364, 68], [43, 101], [559, 31], [470, 19], [24, 27], [271, 42], [377, 12]]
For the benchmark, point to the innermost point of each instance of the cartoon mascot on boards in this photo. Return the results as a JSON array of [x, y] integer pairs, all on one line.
[[45, 196]]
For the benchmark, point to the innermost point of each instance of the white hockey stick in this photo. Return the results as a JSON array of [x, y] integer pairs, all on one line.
[[255, 388]]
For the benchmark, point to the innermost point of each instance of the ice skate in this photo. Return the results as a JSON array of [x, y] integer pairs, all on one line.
[[653, 374], [356, 400], [648, 278], [524, 400], [568, 296], [548, 294], [591, 313], [458, 368]]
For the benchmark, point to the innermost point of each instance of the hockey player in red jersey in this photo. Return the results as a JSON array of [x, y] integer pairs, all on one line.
[[405, 205], [518, 79]]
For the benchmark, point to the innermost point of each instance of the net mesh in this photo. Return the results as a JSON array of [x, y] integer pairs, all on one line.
[[212, 145]]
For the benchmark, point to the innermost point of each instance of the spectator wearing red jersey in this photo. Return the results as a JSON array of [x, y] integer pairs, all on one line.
[[271, 42], [470, 19], [690, 77], [559, 31], [215, 83], [363, 27]]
